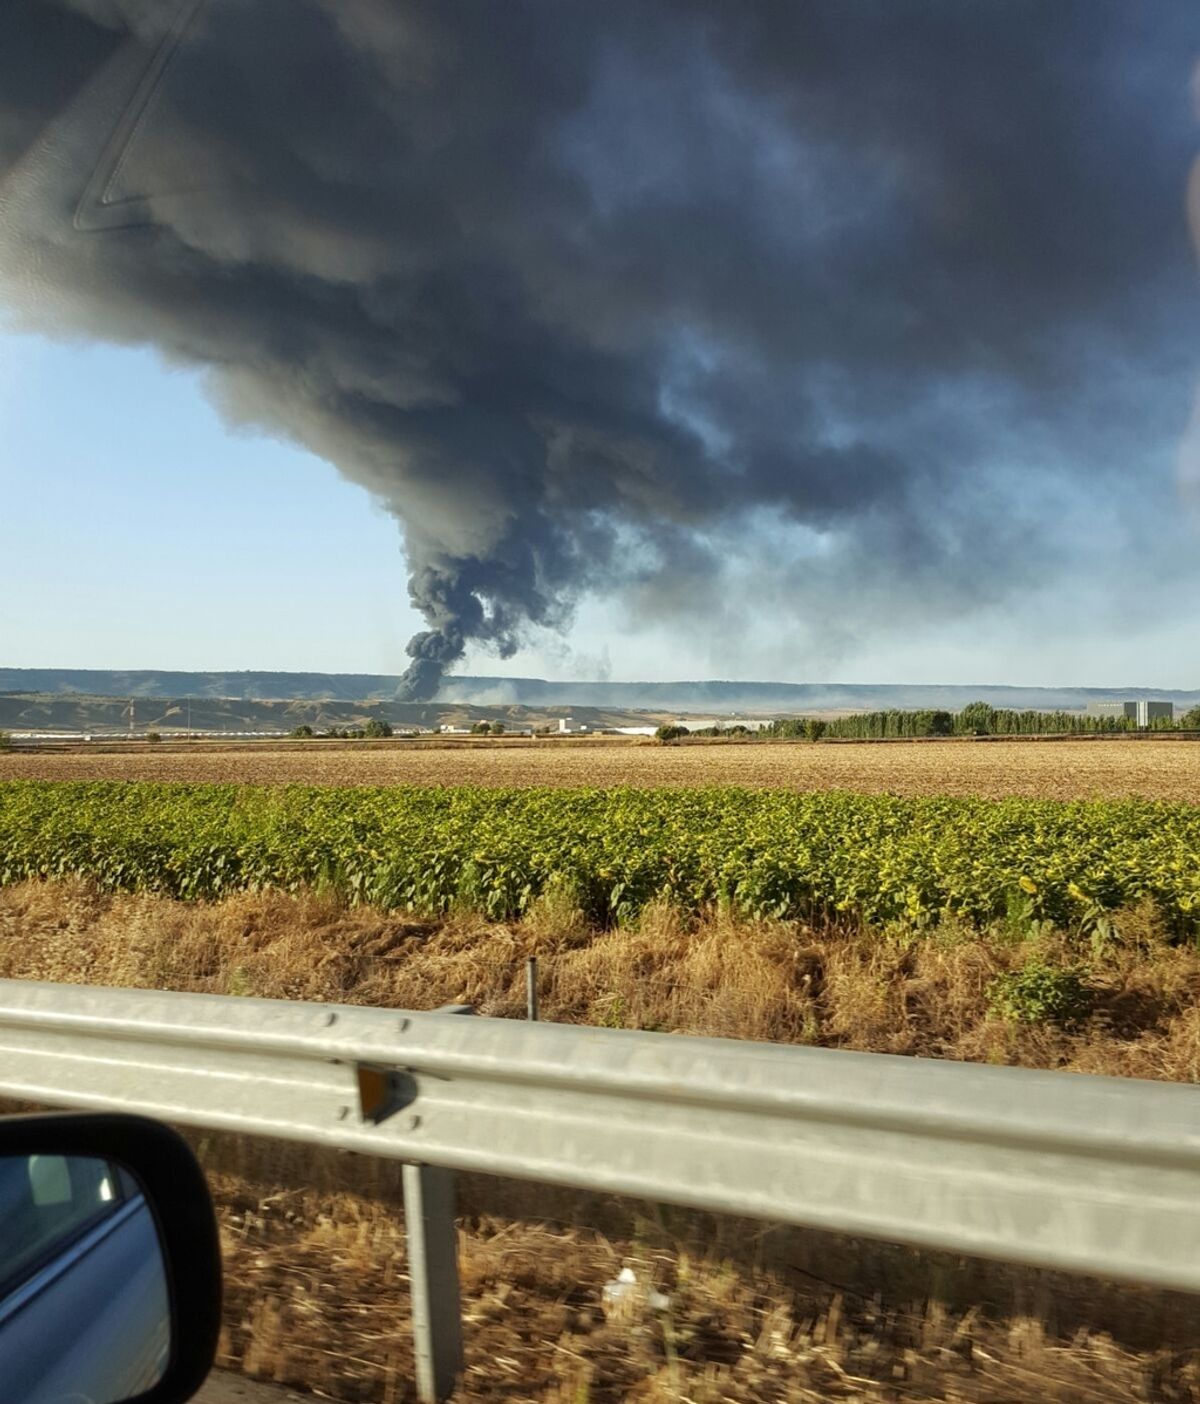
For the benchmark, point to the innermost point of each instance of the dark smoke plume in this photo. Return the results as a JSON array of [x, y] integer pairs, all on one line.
[[591, 296]]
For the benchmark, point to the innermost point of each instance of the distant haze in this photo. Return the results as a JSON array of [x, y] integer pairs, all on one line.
[[712, 696]]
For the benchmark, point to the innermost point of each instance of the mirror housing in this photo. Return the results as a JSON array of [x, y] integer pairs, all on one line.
[[176, 1193]]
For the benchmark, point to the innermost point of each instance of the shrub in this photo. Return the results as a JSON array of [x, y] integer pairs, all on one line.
[[1039, 993], [671, 733]]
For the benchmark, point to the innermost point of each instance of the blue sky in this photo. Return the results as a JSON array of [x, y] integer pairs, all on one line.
[[137, 531]]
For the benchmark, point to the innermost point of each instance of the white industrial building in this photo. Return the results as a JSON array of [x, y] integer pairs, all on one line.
[[1141, 712]]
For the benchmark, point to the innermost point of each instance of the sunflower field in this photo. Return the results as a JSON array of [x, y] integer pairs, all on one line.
[[760, 853]]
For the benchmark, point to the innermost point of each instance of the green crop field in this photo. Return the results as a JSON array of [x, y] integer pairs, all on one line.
[[762, 853]]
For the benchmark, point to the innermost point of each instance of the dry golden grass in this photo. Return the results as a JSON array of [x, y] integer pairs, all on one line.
[[317, 1292], [1158, 768], [890, 991]]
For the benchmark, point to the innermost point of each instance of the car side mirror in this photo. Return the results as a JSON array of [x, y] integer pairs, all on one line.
[[110, 1270]]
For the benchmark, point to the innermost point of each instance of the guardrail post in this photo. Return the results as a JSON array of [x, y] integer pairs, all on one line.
[[433, 1274], [531, 989]]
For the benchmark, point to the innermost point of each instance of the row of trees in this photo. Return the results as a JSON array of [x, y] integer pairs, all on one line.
[[736, 730], [376, 729], [975, 719], [871, 724]]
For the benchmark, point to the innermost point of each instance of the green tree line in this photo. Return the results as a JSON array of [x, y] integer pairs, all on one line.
[[975, 719]]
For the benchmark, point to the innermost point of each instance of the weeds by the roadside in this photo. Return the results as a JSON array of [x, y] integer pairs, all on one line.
[[1039, 998]]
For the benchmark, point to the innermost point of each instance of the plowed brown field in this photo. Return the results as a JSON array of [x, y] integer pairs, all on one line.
[[1075, 769]]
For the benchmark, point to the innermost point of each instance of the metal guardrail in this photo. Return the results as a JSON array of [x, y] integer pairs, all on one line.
[[1090, 1174]]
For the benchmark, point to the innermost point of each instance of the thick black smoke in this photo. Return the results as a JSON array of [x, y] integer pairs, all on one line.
[[586, 294]]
